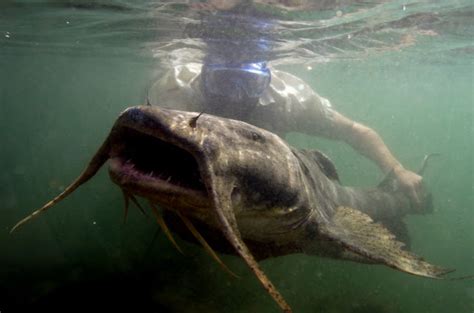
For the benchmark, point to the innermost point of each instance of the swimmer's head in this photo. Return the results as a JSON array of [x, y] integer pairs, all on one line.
[[234, 86]]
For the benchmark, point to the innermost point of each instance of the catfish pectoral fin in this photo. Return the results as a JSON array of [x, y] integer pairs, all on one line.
[[100, 157], [224, 212], [358, 233]]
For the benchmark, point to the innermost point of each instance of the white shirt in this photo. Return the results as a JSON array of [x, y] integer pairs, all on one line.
[[288, 104]]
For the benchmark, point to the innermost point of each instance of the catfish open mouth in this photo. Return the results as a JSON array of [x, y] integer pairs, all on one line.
[[140, 161]]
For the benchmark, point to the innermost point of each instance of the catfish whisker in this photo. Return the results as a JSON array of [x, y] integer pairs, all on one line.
[[135, 201], [204, 243], [161, 222], [127, 202]]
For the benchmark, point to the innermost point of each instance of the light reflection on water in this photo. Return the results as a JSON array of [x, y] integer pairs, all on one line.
[[347, 30]]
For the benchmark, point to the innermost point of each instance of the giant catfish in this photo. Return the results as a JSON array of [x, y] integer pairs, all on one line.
[[248, 186]]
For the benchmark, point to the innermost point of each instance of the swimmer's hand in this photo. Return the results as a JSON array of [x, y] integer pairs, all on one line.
[[411, 184]]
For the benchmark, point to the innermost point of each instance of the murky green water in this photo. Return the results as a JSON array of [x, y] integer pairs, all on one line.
[[61, 90]]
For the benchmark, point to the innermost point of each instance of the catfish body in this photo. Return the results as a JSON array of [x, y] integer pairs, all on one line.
[[253, 191]]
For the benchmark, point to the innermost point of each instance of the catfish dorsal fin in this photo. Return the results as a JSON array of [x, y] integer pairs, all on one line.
[[358, 233], [324, 163]]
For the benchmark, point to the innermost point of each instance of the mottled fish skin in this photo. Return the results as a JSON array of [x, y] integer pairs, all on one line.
[[249, 187]]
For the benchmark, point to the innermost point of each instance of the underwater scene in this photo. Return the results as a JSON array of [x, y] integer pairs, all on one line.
[[68, 69]]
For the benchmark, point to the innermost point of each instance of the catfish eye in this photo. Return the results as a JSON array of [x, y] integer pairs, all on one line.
[[257, 137], [251, 134]]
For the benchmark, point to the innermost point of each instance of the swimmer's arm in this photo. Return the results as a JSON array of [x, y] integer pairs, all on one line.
[[368, 143], [364, 140]]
